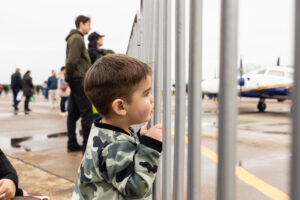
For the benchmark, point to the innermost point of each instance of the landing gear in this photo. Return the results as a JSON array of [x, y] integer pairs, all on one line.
[[261, 106]]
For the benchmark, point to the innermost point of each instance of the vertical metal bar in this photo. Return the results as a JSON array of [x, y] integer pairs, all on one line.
[[154, 30], [195, 100], [135, 44], [167, 101], [133, 41], [150, 19], [153, 45], [158, 63], [295, 163], [143, 49], [145, 27], [139, 27], [179, 151], [147, 22], [157, 84], [149, 31], [228, 100], [136, 41]]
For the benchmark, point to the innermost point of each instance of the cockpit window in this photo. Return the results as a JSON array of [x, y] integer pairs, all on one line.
[[289, 75], [276, 73], [261, 71]]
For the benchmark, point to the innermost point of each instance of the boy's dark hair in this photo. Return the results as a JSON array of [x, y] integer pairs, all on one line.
[[81, 18], [111, 77]]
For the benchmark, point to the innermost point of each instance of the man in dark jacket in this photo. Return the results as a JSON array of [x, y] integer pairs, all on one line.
[[27, 89], [52, 88], [16, 86], [77, 63]]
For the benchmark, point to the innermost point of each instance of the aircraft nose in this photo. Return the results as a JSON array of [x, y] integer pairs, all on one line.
[[241, 81]]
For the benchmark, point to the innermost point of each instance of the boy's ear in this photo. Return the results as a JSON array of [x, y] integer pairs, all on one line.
[[118, 106]]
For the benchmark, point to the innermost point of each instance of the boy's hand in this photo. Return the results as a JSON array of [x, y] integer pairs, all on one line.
[[155, 132], [7, 189]]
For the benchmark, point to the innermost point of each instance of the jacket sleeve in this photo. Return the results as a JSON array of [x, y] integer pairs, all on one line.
[[130, 168], [48, 83], [7, 171], [92, 56], [73, 57], [19, 81], [30, 83]]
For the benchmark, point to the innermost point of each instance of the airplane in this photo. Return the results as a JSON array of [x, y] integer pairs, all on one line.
[[269, 82]]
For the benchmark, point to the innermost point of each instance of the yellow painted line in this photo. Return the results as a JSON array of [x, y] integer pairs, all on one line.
[[248, 178], [260, 185], [210, 154]]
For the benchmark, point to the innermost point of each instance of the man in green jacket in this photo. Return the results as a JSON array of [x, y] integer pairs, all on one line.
[[77, 63]]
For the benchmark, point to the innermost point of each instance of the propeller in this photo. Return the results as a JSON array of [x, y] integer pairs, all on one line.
[[278, 61], [241, 79]]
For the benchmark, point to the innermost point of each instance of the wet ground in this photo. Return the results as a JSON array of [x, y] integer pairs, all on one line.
[[36, 145]]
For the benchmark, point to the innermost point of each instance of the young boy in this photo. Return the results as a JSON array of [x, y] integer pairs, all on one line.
[[118, 163]]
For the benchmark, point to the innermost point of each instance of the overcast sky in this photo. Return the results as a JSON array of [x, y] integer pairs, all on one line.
[[33, 32], [265, 32]]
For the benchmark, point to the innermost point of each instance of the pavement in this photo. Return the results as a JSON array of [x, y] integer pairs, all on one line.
[[36, 146]]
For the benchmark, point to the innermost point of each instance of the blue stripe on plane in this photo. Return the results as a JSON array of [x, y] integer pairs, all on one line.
[[270, 91]]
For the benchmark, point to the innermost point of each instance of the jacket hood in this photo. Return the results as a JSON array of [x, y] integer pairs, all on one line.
[[59, 75], [72, 32], [26, 76]]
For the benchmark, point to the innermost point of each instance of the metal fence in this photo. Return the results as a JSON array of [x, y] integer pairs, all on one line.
[[150, 41]]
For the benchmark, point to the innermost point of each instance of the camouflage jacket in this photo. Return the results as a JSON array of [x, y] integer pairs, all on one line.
[[117, 165]]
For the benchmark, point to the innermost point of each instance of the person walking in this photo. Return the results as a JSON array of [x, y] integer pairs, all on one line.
[[95, 42], [52, 88], [27, 89], [63, 90], [37, 88], [77, 63], [45, 90], [5, 88], [16, 86]]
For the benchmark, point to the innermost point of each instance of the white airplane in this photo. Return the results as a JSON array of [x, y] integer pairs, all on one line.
[[270, 82]]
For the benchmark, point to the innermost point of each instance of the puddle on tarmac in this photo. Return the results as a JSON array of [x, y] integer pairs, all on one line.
[[5, 115], [209, 112], [12, 114], [14, 144]]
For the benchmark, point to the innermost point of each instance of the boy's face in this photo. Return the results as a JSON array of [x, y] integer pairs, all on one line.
[[142, 103]]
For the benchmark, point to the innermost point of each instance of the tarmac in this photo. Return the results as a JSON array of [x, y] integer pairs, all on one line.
[[36, 146]]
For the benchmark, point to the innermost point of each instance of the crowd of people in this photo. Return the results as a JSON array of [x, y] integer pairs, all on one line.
[[118, 163], [21, 87], [73, 101]]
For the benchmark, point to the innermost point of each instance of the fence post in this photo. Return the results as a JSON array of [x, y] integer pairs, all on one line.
[[228, 100], [167, 100], [194, 100], [157, 51], [295, 162], [179, 143]]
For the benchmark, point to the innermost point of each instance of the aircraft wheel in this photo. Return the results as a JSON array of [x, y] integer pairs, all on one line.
[[261, 106]]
